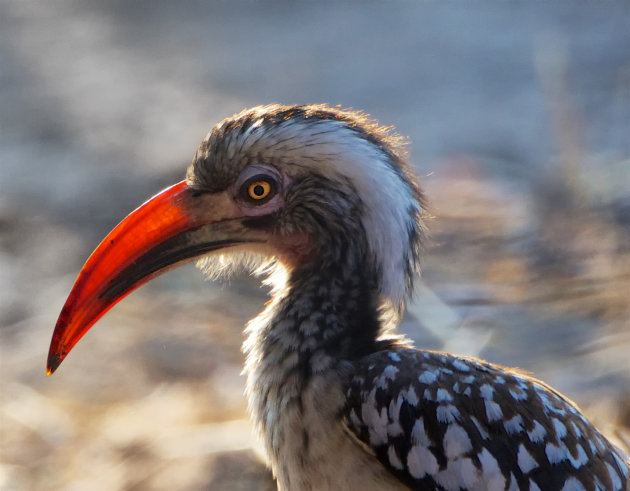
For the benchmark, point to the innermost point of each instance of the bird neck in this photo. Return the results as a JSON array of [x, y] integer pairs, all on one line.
[[325, 314], [323, 317], [329, 310]]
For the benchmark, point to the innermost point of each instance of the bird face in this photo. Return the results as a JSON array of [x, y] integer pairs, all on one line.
[[302, 185]]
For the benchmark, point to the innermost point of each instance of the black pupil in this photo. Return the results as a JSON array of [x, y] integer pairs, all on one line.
[[259, 190]]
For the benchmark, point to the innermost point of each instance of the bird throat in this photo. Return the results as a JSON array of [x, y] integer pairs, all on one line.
[[329, 309], [325, 318]]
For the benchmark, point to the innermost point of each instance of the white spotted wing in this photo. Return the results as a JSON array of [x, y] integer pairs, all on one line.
[[443, 422]]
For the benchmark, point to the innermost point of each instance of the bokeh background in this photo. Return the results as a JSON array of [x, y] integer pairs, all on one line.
[[518, 116]]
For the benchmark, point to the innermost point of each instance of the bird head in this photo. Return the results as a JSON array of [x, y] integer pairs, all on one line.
[[295, 186]]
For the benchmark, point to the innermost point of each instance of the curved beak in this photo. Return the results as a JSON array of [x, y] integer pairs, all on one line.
[[173, 227]]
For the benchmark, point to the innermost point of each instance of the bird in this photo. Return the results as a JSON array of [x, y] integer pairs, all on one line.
[[322, 203]]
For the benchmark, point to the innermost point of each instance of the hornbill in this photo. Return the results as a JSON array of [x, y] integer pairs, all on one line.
[[322, 202]]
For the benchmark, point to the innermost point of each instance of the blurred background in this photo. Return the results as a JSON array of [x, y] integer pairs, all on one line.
[[518, 116]]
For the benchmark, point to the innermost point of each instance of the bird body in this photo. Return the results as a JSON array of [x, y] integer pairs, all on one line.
[[322, 202]]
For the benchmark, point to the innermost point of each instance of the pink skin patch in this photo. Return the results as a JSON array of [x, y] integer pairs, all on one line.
[[292, 249], [253, 209]]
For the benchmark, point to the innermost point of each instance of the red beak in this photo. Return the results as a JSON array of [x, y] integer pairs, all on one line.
[[173, 227]]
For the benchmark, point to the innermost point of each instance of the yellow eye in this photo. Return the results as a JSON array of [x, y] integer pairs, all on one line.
[[259, 190]]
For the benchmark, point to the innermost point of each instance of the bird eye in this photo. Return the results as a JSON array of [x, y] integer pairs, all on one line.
[[259, 188]]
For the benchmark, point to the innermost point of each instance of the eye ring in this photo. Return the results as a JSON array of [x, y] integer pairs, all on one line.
[[258, 189]]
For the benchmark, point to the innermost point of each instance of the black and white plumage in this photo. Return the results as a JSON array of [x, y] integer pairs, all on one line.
[[440, 421], [340, 401]]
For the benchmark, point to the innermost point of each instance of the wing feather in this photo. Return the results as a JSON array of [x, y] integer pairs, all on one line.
[[439, 421]]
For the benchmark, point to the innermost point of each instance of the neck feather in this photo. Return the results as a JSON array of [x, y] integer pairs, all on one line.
[[324, 317]]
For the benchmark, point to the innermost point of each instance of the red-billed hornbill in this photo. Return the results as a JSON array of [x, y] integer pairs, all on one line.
[[322, 201]]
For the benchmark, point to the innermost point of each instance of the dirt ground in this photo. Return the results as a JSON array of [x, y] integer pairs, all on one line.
[[518, 116]]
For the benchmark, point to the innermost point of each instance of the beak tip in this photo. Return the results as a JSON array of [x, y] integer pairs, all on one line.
[[54, 360]]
